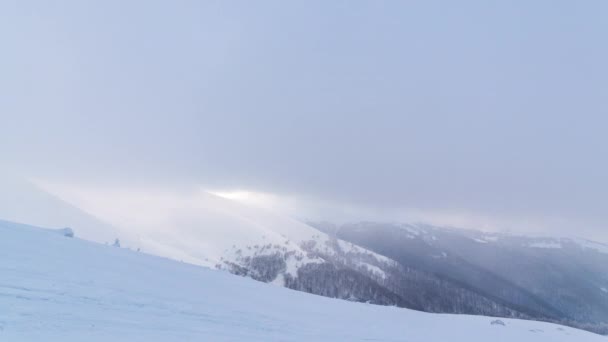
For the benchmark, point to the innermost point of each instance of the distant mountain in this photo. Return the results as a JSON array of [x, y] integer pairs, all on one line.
[[555, 279]]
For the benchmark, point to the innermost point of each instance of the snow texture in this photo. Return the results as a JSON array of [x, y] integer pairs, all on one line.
[[546, 244]]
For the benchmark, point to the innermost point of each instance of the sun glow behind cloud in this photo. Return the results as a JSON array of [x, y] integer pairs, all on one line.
[[242, 196]]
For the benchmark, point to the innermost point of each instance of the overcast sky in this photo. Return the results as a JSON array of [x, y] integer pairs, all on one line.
[[495, 110]]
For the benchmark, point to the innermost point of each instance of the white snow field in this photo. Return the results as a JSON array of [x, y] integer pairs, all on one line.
[[57, 288]]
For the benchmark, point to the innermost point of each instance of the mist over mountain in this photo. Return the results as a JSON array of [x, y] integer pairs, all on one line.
[[479, 112], [557, 279]]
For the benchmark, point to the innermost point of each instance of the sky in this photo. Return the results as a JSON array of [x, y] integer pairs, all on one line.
[[488, 114]]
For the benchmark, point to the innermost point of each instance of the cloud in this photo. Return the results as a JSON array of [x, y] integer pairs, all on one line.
[[368, 106], [139, 209]]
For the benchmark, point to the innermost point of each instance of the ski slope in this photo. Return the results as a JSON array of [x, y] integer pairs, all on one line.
[[56, 288]]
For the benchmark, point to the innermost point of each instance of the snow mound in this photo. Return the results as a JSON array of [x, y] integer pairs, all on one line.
[[67, 232]]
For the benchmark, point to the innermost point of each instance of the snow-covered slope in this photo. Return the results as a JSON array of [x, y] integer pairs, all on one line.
[[22, 201], [55, 288], [211, 230], [554, 279], [204, 229]]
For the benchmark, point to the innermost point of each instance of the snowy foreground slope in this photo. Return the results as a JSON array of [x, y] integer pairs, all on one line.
[[55, 288]]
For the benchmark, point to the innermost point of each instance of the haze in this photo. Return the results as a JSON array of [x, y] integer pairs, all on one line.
[[466, 113]]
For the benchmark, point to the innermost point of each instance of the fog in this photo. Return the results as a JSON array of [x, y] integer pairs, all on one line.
[[489, 115]]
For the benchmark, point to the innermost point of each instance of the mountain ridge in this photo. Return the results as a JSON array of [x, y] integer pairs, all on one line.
[[561, 282]]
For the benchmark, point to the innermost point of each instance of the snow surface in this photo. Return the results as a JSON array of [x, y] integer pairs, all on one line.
[[485, 239], [375, 270], [597, 246], [56, 288], [546, 244]]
